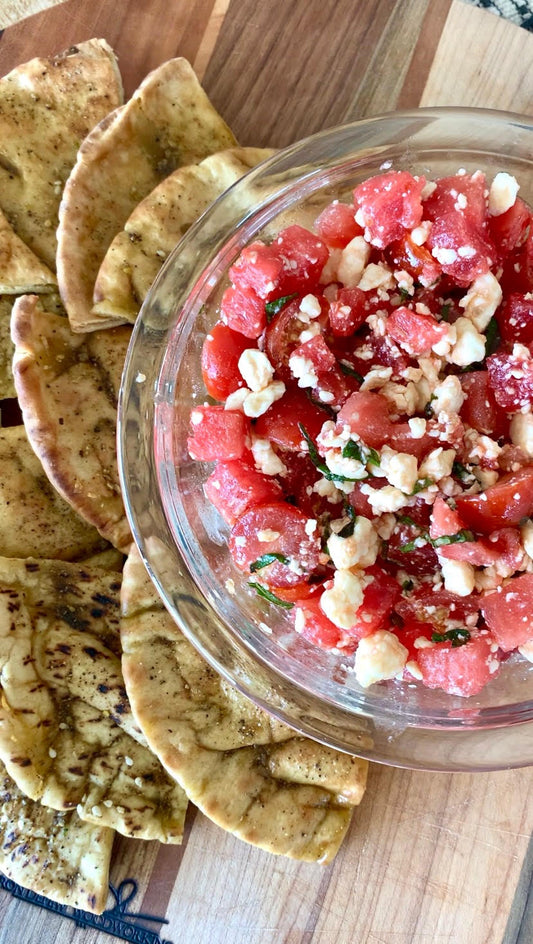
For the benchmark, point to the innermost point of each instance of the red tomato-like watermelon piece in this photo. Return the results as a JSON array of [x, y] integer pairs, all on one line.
[[388, 205], [314, 625], [511, 378], [220, 361], [414, 332], [437, 607], [336, 225], [444, 520], [280, 529], [459, 237], [461, 670], [280, 423], [367, 415], [517, 275], [242, 310], [508, 230], [318, 353], [217, 433], [501, 505], [235, 486], [260, 269], [480, 408], [515, 318], [406, 255], [508, 612], [303, 256], [348, 312]]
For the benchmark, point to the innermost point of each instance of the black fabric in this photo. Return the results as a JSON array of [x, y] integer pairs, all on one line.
[[517, 11]]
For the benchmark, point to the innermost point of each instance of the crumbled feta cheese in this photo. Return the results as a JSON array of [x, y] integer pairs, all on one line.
[[330, 437], [421, 232], [444, 255], [404, 397], [376, 378], [444, 345], [448, 396], [383, 500], [480, 447], [340, 465], [417, 425], [376, 275], [256, 404], [303, 370], [458, 576], [255, 369], [235, 401], [312, 331], [327, 489], [521, 430], [482, 300], [405, 281], [526, 533], [502, 193], [341, 601], [379, 656], [438, 464], [470, 345], [352, 262], [400, 468], [266, 460], [359, 550], [266, 535], [309, 308]]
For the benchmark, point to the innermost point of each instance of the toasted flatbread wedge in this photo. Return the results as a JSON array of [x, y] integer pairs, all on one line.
[[20, 269], [47, 108], [67, 387], [55, 854], [34, 520], [246, 771], [168, 122], [7, 385], [157, 224], [67, 734]]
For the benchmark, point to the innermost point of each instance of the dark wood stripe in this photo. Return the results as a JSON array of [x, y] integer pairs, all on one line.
[[519, 928], [165, 871], [423, 54]]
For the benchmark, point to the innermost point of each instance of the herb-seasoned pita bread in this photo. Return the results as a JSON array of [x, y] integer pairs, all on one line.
[[67, 734], [157, 224], [168, 122], [247, 772], [55, 854], [34, 520], [20, 269], [67, 387], [47, 108], [7, 385]]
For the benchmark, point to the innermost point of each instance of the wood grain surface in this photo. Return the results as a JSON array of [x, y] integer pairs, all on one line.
[[442, 858]]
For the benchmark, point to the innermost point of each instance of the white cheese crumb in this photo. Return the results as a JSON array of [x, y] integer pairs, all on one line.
[[383, 500], [502, 193], [378, 657], [309, 308], [235, 401], [255, 369], [359, 550], [469, 346], [341, 602], [521, 430], [258, 403], [482, 299], [459, 576], [400, 468], [266, 535], [417, 425], [526, 532], [448, 396], [352, 261], [303, 370], [266, 460], [376, 275]]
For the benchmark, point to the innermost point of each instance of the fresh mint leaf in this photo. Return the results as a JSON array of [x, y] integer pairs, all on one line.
[[274, 307], [267, 559], [457, 637], [268, 595]]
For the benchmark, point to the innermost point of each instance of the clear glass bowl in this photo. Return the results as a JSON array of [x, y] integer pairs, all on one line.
[[181, 537]]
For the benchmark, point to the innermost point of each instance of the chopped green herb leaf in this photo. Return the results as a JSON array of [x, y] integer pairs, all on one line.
[[351, 372], [268, 595], [405, 519], [421, 485], [457, 637], [348, 529], [413, 545], [407, 586], [352, 450], [461, 472], [493, 338], [459, 538], [445, 311], [404, 294], [267, 559], [272, 308], [318, 463], [373, 457]]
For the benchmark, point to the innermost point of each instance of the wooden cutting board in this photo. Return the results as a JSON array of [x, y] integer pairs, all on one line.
[[430, 857]]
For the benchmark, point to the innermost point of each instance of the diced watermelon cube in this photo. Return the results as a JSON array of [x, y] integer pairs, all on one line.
[[461, 670]]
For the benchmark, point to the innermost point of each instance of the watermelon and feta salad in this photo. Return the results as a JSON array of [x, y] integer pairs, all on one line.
[[370, 383]]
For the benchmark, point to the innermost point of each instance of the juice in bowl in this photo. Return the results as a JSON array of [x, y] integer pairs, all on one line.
[[324, 437]]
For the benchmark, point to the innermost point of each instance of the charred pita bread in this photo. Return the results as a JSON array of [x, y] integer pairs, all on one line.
[[55, 854], [20, 269], [168, 122], [67, 387], [247, 772], [67, 734], [47, 108], [34, 520], [157, 224]]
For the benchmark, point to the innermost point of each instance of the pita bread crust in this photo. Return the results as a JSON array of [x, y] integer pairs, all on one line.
[[53, 853], [34, 520], [67, 387], [247, 772], [47, 108], [20, 269], [168, 122], [67, 734], [155, 226]]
